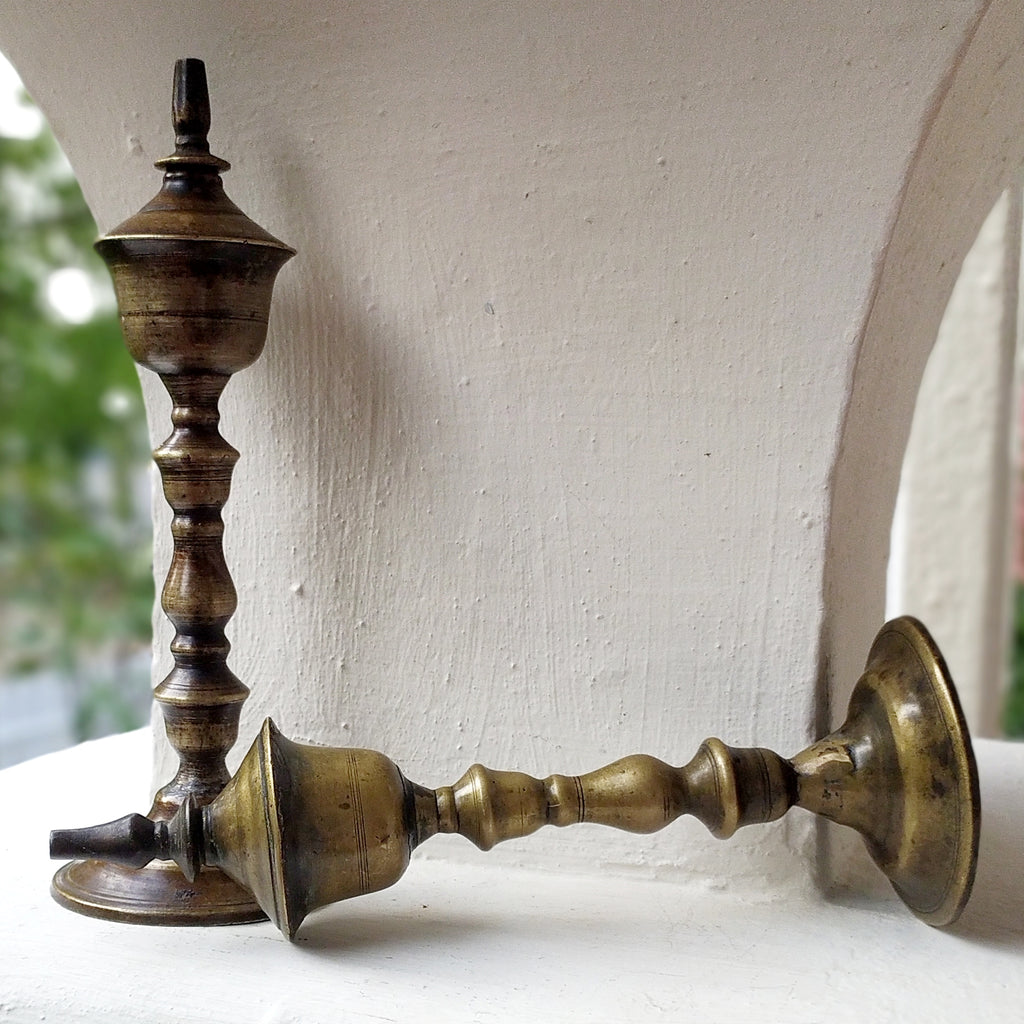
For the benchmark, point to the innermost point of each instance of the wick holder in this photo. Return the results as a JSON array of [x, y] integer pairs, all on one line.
[[304, 826], [193, 278]]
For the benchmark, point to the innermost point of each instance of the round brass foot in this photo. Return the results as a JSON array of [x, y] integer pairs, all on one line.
[[902, 772], [931, 857], [156, 894]]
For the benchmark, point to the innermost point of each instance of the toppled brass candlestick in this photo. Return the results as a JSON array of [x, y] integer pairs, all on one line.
[[193, 277], [305, 826]]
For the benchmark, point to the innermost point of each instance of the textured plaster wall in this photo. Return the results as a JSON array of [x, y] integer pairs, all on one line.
[[594, 307]]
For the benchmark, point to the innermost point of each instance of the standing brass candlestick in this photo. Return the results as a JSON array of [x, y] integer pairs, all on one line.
[[305, 826], [193, 277]]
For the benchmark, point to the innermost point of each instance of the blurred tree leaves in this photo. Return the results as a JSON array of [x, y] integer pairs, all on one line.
[[76, 589], [1013, 711]]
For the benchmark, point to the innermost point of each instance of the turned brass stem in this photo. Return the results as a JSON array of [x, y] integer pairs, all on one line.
[[723, 787], [303, 826]]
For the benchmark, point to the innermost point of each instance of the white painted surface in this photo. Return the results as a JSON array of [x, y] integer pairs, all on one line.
[[598, 310], [971, 149], [477, 942], [951, 562]]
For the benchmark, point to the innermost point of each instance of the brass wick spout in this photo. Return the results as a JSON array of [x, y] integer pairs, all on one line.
[[135, 840], [303, 826]]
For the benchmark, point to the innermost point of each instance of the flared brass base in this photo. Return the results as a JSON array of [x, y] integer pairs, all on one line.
[[901, 771], [932, 862], [156, 894]]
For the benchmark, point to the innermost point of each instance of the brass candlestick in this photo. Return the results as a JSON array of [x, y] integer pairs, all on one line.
[[193, 277], [305, 826]]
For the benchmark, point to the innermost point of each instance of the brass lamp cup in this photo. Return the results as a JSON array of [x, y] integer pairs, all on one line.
[[303, 826]]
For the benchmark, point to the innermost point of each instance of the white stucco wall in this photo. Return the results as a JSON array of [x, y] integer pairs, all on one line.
[[597, 309]]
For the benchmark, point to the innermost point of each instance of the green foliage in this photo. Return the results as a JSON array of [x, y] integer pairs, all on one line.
[[75, 581], [1013, 711]]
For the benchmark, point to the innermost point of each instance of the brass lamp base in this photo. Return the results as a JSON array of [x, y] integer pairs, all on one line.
[[157, 894], [901, 771]]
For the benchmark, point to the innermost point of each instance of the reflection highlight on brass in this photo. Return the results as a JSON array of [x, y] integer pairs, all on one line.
[[303, 826]]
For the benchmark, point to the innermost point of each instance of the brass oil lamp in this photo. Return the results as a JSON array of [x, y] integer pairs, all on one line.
[[304, 826], [193, 278]]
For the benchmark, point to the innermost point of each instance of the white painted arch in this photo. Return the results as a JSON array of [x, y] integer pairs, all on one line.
[[579, 427], [972, 149]]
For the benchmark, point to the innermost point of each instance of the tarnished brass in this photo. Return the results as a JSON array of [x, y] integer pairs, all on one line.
[[303, 826], [193, 277]]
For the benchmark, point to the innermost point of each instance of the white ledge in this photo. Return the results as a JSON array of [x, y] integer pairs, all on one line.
[[457, 942]]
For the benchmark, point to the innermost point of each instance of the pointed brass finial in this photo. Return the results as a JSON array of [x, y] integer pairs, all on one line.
[[190, 118], [190, 105]]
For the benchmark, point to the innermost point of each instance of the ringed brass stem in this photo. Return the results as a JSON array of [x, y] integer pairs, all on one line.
[[193, 278], [303, 826]]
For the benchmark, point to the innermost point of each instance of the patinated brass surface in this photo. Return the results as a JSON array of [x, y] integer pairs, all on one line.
[[305, 826], [193, 278], [901, 771]]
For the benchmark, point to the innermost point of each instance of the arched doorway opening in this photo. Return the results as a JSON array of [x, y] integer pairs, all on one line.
[[952, 550]]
